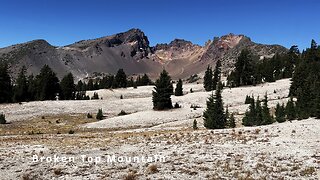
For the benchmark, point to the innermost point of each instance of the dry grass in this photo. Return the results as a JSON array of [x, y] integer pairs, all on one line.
[[55, 124]]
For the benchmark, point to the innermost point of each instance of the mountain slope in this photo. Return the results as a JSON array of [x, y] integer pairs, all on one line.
[[131, 51]]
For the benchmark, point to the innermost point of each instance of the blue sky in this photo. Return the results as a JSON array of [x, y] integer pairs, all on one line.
[[284, 22]]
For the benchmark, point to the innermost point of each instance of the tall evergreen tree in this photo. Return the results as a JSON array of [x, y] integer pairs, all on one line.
[[5, 84], [67, 87], [244, 70], [90, 85], [207, 80], [232, 121], [145, 80], [21, 87], [290, 110], [32, 88], [179, 89], [216, 75], [267, 118], [121, 79], [249, 116], [280, 113], [47, 84], [163, 91], [214, 116]]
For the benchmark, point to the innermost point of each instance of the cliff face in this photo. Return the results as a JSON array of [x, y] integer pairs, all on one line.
[[131, 51]]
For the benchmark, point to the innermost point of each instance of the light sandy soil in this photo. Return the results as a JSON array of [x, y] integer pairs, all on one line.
[[289, 150]]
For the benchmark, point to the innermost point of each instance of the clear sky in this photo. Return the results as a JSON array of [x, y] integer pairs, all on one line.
[[62, 22]]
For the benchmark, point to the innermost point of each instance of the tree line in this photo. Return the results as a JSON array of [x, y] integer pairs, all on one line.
[[249, 70], [46, 85]]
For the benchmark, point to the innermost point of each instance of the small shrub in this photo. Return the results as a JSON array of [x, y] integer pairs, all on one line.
[[122, 113], [195, 126], [95, 96], [293, 131], [153, 169], [89, 115], [130, 176], [257, 131], [2, 119], [71, 132], [57, 171], [99, 115], [176, 105], [42, 117]]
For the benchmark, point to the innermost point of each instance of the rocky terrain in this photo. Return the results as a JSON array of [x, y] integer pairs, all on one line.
[[131, 51], [287, 150]]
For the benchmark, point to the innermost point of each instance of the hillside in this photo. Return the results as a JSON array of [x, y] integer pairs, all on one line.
[[281, 150], [131, 51]]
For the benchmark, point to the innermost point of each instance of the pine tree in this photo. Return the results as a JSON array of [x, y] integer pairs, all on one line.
[[249, 117], [280, 113], [47, 84], [21, 88], [248, 100], [67, 87], [90, 85], [163, 91], [145, 80], [179, 90], [2, 119], [214, 115], [244, 70], [207, 83], [99, 115], [32, 88], [79, 86], [5, 84], [267, 119], [216, 75], [195, 125], [232, 121], [259, 118], [120, 79], [290, 110]]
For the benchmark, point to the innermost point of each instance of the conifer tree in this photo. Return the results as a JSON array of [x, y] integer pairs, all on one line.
[[47, 84], [90, 85], [79, 86], [260, 114], [179, 89], [216, 74], [99, 115], [249, 117], [195, 126], [232, 121], [67, 87], [2, 119], [280, 113], [207, 83], [290, 110], [162, 92], [120, 79], [21, 88], [267, 118], [145, 80], [32, 88], [5, 84], [214, 115]]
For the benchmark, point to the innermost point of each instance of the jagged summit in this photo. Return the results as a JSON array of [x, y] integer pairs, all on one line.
[[131, 51]]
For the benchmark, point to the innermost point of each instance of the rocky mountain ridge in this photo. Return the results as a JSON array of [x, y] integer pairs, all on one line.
[[131, 51]]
